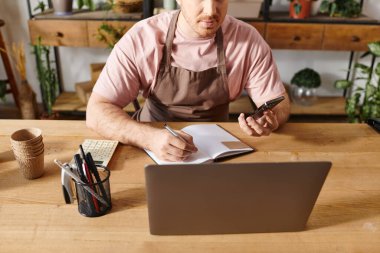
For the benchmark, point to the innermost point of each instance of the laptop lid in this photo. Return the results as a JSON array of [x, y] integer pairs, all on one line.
[[232, 198]]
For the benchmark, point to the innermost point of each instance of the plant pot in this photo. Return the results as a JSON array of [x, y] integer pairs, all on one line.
[[315, 7], [63, 7], [299, 9], [303, 95]]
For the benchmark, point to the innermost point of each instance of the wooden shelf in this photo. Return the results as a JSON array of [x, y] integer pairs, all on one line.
[[325, 19], [69, 102], [91, 15]]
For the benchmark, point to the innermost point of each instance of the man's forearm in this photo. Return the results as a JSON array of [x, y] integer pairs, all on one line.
[[112, 122], [282, 110]]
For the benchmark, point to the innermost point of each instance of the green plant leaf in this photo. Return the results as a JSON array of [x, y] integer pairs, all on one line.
[[370, 90], [375, 111], [351, 104], [374, 48], [89, 4], [363, 68], [41, 6], [333, 7], [377, 69], [366, 112], [80, 4], [342, 84], [324, 7]]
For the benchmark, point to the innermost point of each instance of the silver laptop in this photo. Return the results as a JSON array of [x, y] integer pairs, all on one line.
[[232, 198]]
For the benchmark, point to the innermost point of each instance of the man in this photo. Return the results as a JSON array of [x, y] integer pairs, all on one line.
[[189, 64]]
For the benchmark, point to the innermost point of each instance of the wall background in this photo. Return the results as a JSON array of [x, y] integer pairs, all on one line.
[[75, 62]]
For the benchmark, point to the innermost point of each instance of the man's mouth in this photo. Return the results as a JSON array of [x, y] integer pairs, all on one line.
[[210, 23]]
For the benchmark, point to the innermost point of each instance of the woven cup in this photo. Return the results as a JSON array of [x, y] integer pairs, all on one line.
[[28, 149], [33, 167], [27, 136], [28, 154]]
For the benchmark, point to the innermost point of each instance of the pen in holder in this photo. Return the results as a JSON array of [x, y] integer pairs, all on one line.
[[88, 204]]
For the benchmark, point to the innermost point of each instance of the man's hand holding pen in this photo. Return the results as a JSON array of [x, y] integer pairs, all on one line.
[[173, 145]]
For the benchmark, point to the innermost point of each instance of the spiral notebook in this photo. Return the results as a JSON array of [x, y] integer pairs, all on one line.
[[212, 141]]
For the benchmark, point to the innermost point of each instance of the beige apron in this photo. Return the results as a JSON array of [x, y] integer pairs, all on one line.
[[183, 95]]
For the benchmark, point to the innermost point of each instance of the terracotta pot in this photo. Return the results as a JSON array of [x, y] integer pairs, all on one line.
[[299, 9]]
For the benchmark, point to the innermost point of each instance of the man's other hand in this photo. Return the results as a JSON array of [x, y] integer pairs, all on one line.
[[261, 127]]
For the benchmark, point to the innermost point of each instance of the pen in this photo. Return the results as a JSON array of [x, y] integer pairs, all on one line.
[[167, 127], [89, 179], [77, 179], [94, 170]]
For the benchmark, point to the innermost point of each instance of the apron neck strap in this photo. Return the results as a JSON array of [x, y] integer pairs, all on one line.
[[220, 52], [166, 61]]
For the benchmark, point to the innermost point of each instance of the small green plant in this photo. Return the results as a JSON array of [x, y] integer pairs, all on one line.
[[46, 75], [364, 103], [109, 34], [40, 6], [340, 8], [89, 3], [307, 78]]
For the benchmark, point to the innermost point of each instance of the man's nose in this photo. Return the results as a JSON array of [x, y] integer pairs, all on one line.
[[209, 7]]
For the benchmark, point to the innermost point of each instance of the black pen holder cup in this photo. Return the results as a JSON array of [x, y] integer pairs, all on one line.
[[95, 199]]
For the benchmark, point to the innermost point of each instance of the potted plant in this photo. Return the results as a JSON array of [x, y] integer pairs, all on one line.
[[299, 9], [364, 102], [304, 85], [340, 8]]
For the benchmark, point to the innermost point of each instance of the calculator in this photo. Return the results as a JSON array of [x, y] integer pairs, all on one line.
[[101, 150]]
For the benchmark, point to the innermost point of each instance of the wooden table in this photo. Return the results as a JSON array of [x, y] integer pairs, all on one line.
[[346, 218]]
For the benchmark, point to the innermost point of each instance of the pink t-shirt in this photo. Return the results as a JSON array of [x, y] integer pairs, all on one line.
[[133, 63]]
